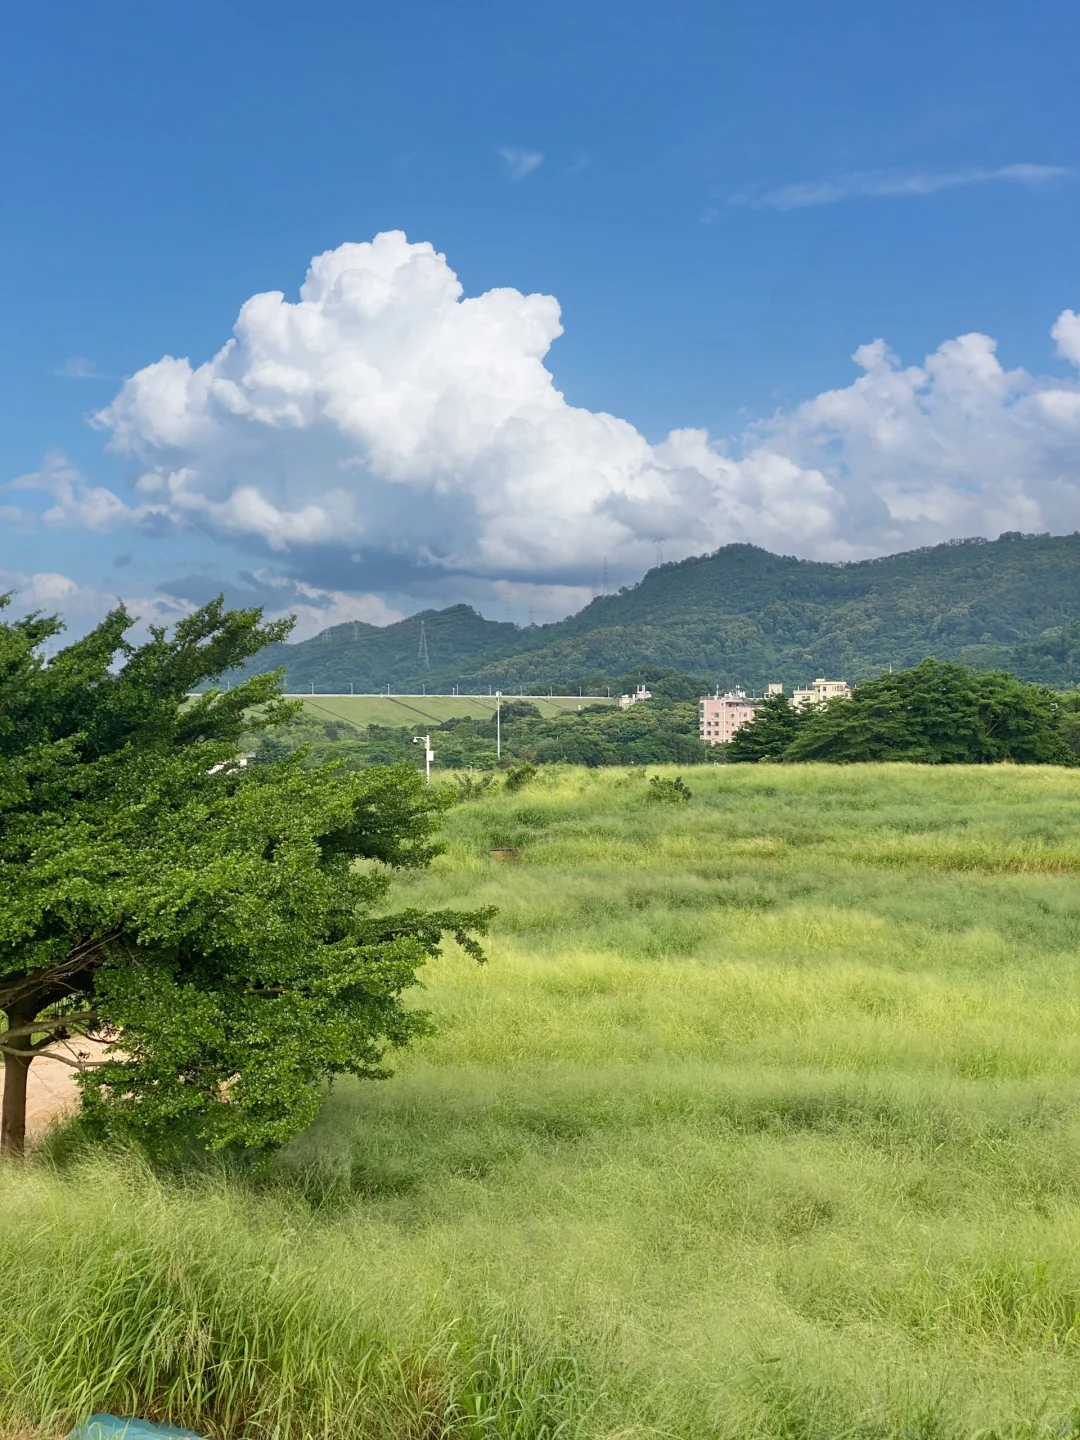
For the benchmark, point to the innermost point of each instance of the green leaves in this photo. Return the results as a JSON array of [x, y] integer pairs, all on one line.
[[669, 792], [932, 714], [767, 737], [207, 918]]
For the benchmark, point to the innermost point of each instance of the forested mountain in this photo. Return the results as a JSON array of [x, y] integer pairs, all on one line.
[[743, 616]]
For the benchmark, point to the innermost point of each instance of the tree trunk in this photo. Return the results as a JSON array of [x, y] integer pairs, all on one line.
[[13, 1120]]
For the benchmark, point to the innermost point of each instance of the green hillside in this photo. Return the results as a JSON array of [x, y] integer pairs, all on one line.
[[743, 615]]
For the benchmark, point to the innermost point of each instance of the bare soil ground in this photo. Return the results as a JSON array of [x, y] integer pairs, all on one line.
[[51, 1090]]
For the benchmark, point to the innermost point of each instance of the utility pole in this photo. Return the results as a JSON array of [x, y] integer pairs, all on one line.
[[429, 754], [498, 725]]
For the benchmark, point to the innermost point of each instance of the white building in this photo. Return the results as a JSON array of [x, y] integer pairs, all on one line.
[[625, 701], [820, 691], [719, 716]]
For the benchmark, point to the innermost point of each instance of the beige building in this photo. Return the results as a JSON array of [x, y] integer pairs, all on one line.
[[719, 716], [820, 690]]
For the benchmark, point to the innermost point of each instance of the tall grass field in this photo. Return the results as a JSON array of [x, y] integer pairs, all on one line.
[[762, 1120]]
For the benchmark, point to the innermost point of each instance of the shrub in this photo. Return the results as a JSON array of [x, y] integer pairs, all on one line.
[[518, 776], [671, 792]]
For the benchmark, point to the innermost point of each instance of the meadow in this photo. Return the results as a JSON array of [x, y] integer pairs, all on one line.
[[395, 710], [762, 1120]]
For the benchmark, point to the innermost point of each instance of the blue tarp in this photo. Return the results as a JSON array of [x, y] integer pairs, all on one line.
[[115, 1427]]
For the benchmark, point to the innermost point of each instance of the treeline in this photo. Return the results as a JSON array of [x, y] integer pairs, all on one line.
[[658, 732], [932, 714], [663, 730]]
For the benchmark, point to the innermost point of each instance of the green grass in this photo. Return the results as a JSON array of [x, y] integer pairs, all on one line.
[[411, 710], [763, 1121]]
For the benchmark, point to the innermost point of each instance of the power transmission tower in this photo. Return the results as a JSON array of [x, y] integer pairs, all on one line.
[[422, 653], [604, 584], [659, 552]]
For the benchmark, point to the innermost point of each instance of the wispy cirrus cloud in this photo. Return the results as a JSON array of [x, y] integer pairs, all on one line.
[[520, 162], [799, 194], [77, 367]]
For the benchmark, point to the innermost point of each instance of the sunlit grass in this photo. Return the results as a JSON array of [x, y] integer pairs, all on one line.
[[762, 1120], [410, 710]]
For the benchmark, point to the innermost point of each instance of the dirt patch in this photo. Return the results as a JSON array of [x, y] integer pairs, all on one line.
[[51, 1090]]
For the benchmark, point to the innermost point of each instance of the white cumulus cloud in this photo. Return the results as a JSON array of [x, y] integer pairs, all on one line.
[[83, 606], [78, 505], [385, 414], [315, 609]]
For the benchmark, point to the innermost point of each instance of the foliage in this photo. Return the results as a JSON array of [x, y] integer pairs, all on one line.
[[664, 683], [470, 787], [321, 739], [933, 713], [761, 1122], [1069, 719], [668, 791], [744, 616], [775, 725], [518, 710], [204, 916], [518, 776], [938, 714], [656, 732]]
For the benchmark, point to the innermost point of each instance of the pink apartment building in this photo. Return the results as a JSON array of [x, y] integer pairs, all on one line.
[[719, 716]]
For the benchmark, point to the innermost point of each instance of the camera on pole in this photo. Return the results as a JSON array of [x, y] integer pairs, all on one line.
[[429, 754]]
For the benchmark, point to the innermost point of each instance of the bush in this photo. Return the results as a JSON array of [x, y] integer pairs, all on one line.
[[470, 789], [671, 792], [518, 776]]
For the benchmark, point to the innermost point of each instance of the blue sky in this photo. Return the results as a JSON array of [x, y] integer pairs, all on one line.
[[726, 201]]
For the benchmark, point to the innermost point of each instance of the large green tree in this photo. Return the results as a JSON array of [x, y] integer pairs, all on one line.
[[775, 724], [937, 714], [205, 917]]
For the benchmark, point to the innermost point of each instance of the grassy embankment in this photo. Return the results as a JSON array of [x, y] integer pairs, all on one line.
[[762, 1121], [363, 710]]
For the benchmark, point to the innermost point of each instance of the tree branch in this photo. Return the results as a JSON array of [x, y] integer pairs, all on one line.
[[64, 1059], [78, 959], [50, 1022]]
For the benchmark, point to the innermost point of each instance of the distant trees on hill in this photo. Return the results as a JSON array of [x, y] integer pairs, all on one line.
[[660, 731], [739, 616]]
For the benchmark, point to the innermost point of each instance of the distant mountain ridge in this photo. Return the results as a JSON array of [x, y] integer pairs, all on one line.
[[742, 616]]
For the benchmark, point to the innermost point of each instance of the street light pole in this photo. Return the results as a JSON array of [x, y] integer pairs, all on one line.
[[498, 725], [429, 754]]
